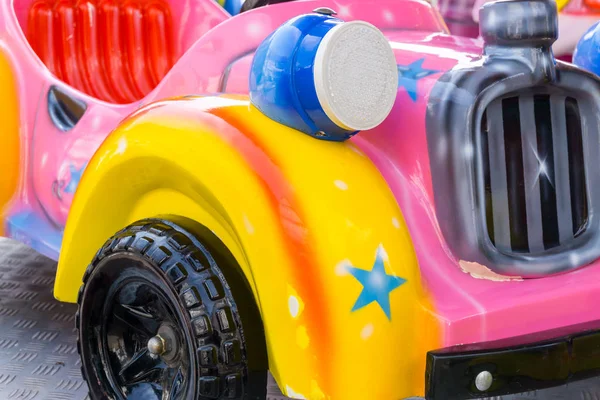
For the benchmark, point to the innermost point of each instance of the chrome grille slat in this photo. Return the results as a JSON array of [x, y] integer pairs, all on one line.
[[531, 168], [561, 168], [590, 124], [497, 161], [534, 171], [581, 186]]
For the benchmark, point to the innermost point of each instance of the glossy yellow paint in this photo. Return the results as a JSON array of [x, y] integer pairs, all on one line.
[[560, 4], [295, 212], [9, 137]]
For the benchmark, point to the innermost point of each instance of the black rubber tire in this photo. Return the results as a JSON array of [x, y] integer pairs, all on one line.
[[203, 293]]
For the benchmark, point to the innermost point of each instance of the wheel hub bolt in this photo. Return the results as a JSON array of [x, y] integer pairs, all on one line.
[[156, 345]]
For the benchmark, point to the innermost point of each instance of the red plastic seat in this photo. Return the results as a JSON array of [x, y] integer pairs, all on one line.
[[114, 50]]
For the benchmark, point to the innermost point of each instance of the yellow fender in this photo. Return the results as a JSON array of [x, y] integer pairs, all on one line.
[[295, 212], [9, 137]]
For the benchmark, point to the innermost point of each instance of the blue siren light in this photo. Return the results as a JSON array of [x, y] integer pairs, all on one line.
[[325, 77]]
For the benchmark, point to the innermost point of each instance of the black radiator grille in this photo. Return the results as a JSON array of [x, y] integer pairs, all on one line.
[[532, 152]]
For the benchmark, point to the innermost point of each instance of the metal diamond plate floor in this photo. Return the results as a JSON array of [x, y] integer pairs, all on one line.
[[38, 354]]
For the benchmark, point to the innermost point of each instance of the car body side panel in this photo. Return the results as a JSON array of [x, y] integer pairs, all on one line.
[[52, 160], [238, 37], [301, 216], [9, 138]]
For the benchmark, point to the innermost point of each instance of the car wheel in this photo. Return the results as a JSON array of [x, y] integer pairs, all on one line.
[[157, 320]]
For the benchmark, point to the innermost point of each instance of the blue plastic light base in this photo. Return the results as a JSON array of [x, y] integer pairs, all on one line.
[[282, 77]]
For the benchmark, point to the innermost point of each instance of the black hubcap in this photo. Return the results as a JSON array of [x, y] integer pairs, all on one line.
[[139, 338], [141, 317]]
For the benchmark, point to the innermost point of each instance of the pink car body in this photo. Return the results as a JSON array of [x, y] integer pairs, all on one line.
[[215, 51]]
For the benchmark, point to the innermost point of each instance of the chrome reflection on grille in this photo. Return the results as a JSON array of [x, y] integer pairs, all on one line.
[[533, 172]]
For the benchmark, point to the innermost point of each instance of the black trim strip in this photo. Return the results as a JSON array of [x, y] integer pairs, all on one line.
[[518, 365]]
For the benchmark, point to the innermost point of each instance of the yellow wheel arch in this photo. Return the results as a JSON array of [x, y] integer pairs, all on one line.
[[295, 212], [9, 137]]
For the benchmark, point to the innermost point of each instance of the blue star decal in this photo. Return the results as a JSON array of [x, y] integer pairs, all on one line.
[[409, 75], [74, 178], [377, 285]]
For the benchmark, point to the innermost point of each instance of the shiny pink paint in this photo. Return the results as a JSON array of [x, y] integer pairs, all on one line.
[[217, 59], [48, 161]]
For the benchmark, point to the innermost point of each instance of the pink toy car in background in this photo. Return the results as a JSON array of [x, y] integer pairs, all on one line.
[[575, 17]]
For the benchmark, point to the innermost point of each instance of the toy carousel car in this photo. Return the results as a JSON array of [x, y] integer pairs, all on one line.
[[368, 208], [574, 17]]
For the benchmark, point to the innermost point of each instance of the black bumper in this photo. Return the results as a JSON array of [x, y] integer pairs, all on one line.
[[517, 365]]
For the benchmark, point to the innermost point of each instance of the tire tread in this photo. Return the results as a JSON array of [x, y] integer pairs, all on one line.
[[203, 292]]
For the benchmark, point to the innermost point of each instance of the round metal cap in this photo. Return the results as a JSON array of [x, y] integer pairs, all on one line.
[[483, 381], [156, 345]]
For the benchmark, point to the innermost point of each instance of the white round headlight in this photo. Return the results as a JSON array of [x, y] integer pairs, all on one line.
[[325, 77], [356, 77]]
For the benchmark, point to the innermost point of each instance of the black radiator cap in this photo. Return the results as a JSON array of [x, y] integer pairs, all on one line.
[[519, 23]]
